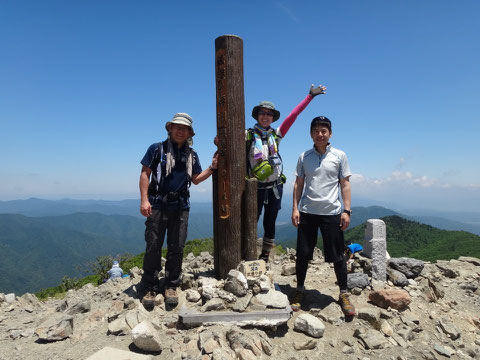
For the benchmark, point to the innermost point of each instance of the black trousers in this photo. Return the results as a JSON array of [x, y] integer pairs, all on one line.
[[175, 224], [266, 199], [333, 245]]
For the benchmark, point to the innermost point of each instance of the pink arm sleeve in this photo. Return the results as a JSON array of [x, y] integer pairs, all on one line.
[[290, 119]]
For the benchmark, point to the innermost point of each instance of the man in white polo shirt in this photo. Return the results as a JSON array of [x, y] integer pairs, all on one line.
[[322, 174]]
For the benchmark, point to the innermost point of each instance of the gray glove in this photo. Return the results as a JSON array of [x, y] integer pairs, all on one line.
[[314, 91]]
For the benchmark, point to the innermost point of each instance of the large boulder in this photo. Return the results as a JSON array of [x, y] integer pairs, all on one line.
[[146, 337], [394, 298], [411, 268], [309, 325], [57, 327], [357, 280], [397, 277], [236, 283], [273, 299]]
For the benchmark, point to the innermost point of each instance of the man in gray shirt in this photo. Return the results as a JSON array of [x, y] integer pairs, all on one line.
[[322, 174]]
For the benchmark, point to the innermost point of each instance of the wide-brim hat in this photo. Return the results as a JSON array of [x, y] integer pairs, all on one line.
[[266, 105], [182, 119]]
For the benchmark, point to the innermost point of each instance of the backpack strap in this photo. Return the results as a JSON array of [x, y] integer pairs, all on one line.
[[248, 145], [159, 159]]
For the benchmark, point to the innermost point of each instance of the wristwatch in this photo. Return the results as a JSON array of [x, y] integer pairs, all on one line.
[[349, 212]]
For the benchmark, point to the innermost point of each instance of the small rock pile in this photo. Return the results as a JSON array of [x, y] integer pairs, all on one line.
[[423, 311]]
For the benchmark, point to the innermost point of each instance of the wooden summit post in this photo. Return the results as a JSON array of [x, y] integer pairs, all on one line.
[[229, 180]]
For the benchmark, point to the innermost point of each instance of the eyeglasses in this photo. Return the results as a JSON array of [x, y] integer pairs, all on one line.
[[268, 113]]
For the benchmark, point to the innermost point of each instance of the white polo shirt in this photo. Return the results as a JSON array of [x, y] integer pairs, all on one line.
[[322, 173]]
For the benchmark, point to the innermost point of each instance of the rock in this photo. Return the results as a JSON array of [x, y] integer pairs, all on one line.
[[131, 318], [348, 349], [192, 295], [241, 304], [357, 280], [159, 300], [115, 310], [430, 290], [472, 260], [28, 300], [385, 328], [310, 325], [235, 274], [2, 298], [369, 314], [394, 298], [289, 269], [244, 354], [331, 314], [234, 286], [189, 257], [448, 328], [444, 350], [256, 289], [9, 298], [372, 339], [209, 342], [356, 291], [221, 354], [226, 296], [208, 287], [406, 333], [146, 337], [240, 341], [273, 299], [206, 257], [215, 304], [447, 269], [57, 327], [119, 326], [265, 283], [188, 281], [397, 278], [81, 306], [306, 345], [411, 268], [108, 353]]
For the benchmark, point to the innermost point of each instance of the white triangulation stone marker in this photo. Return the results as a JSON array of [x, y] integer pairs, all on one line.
[[375, 247]]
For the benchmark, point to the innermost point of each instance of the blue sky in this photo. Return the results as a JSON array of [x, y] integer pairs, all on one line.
[[87, 86]]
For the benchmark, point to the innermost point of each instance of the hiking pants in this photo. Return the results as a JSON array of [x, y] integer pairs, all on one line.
[[175, 224], [267, 199], [333, 245]]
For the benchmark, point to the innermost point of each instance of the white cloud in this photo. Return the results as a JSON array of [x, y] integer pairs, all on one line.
[[396, 177], [286, 10], [409, 190]]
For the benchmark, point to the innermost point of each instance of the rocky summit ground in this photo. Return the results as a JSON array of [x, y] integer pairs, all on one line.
[[424, 311]]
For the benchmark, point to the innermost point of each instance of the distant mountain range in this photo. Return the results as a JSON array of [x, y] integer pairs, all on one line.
[[420, 241], [467, 221], [43, 240]]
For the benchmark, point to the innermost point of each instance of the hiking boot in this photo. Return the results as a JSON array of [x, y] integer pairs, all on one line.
[[148, 300], [264, 256], [347, 307], [297, 299], [171, 297]]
